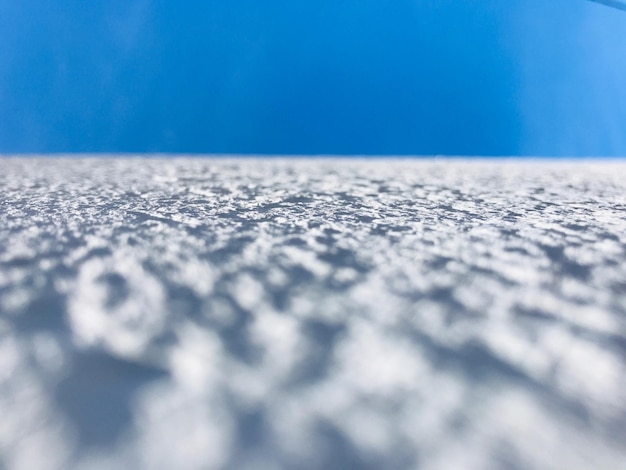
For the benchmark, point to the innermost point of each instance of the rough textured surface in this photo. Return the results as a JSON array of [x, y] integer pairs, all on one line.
[[312, 314]]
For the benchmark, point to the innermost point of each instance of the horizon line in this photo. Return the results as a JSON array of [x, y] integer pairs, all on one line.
[[226, 155]]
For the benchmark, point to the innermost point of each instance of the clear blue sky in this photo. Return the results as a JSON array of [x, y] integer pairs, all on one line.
[[459, 77]]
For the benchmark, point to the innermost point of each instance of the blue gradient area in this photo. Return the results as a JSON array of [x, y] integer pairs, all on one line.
[[488, 77]]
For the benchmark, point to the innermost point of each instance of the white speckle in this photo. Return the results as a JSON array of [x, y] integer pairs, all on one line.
[[206, 313]]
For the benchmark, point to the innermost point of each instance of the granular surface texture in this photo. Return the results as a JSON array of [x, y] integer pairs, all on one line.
[[312, 314]]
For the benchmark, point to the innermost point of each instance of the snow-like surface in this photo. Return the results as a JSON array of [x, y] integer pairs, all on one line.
[[312, 314]]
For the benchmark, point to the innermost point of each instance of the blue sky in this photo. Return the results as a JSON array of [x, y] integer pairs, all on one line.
[[451, 77]]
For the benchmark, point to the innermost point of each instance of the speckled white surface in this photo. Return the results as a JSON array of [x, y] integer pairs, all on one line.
[[312, 314]]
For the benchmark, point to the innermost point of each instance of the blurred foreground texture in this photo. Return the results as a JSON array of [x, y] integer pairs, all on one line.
[[312, 314]]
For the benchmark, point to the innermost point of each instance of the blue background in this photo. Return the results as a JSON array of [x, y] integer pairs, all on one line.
[[473, 77]]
